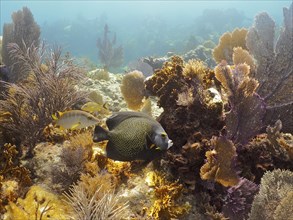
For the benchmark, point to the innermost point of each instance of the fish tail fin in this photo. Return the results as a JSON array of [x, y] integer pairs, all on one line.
[[100, 134]]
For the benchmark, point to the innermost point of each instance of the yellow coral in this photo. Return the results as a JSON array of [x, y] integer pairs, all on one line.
[[197, 69], [219, 164], [223, 73], [166, 193], [224, 50], [133, 90], [241, 56], [38, 204]]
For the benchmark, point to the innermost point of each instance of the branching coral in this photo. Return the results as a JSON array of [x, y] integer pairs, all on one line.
[[274, 69], [27, 107], [132, 89], [39, 204], [274, 200], [239, 199], [224, 50], [247, 109], [110, 56], [166, 194], [23, 31], [219, 166]]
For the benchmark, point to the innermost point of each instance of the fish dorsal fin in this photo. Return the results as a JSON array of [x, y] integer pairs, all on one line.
[[119, 117]]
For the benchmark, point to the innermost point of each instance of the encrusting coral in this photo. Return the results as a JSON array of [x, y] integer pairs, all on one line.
[[219, 166], [274, 200], [274, 69], [132, 89], [228, 41]]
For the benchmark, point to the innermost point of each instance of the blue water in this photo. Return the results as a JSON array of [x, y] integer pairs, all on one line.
[[143, 28]]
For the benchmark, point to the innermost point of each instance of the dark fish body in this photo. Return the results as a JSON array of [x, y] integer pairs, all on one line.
[[133, 136]]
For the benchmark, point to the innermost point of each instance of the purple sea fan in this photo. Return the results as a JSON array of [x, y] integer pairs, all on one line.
[[239, 199]]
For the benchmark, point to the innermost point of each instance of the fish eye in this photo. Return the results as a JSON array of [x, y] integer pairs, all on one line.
[[163, 135]]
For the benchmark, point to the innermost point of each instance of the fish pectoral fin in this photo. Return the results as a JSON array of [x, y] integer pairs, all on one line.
[[153, 146], [76, 125]]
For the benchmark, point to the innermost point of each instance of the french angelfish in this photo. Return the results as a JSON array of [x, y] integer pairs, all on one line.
[[75, 119], [133, 136]]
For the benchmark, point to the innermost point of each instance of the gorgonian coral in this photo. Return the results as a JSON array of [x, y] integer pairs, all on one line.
[[109, 55], [244, 119], [274, 69], [23, 31], [50, 87], [224, 50], [219, 166]]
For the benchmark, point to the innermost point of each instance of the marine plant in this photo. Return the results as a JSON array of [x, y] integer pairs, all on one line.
[[274, 200], [110, 56], [23, 31], [28, 106], [132, 89]]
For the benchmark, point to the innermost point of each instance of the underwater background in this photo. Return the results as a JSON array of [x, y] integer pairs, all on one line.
[[143, 28], [146, 110]]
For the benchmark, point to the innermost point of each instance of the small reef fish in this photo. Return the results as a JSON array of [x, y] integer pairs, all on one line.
[[75, 119], [93, 107], [133, 136]]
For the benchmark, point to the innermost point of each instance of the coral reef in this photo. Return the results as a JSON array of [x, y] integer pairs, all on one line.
[[274, 65], [132, 89], [274, 200], [28, 106], [194, 81], [23, 31], [224, 50], [109, 55], [219, 166], [38, 204]]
